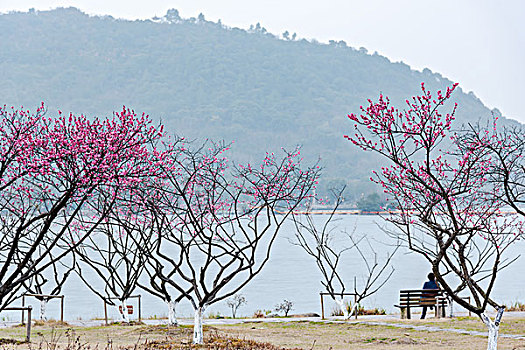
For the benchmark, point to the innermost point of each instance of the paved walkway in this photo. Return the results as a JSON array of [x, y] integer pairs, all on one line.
[[440, 329]]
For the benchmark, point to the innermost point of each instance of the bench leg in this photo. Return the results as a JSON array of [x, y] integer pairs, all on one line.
[[408, 312]]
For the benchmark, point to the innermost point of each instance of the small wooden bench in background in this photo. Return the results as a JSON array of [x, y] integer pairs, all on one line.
[[422, 297]]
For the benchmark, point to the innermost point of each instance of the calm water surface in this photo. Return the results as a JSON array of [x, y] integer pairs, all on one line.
[[291, 274]]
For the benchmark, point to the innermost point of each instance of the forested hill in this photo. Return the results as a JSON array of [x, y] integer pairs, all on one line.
[[203, 79]]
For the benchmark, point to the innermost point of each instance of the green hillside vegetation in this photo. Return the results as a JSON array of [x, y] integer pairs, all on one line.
[[206, 80]]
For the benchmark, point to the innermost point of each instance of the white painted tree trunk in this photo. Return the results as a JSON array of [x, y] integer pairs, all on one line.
[[353, 311], [172, 313], [343, 308], [493, 328], [43, 305], [124, 313], [451, 308], [198, 336]]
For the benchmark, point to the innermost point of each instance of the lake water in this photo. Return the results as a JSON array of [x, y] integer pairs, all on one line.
[[291, 274]]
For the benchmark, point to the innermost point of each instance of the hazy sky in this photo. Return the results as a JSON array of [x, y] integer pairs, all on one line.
[[478, 43]]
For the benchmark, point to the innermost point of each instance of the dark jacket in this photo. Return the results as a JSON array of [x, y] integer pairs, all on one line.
[[430, 285]]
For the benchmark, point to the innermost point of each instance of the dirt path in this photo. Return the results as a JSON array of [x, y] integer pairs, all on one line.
[[439, 329]]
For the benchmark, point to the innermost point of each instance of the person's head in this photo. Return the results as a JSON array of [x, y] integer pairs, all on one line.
[[431, 276]]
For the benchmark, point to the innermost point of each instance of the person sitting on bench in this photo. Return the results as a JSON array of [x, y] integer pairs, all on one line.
[[430, 284]]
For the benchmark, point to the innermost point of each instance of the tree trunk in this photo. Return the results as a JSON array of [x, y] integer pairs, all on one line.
[[43, 305], [493, 328], [353, 311], [344, 309], [172, 314], [198, 337], [451, 308], [124, 313]]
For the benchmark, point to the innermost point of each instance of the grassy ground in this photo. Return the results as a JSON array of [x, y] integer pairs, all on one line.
[[308, 335], [508, 326], [268, 336]]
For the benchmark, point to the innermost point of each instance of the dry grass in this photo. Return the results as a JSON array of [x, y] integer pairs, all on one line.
[[515, 306], [123, 337], [361, 311], [263, 336], [214, 340], [50, 323], [361, 336]]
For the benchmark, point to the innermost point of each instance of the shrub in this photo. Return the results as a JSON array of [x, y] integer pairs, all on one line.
[[516, 306], [286, 306], [258, 314]]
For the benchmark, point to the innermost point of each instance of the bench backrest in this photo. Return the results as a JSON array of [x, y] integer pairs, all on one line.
[[423, 297]]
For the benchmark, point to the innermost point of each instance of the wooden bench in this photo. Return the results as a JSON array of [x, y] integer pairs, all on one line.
[[422, 297]]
